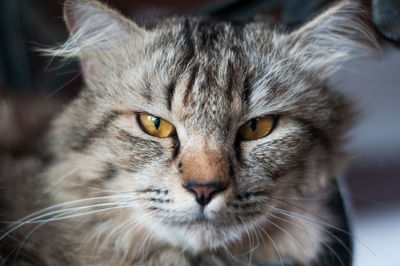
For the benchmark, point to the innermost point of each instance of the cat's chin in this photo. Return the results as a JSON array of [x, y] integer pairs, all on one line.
[[200, 234], [197, 236]]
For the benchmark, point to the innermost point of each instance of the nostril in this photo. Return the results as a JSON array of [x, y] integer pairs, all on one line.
[[204, 192]]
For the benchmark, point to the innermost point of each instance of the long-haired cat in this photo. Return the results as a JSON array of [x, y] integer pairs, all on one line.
[[194, 142]]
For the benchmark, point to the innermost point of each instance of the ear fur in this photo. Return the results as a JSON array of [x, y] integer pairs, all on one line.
[[96, 32], [331, 38], [92, 26], [94, 15]]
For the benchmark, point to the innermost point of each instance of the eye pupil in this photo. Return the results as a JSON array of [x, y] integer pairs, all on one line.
[[157, 122], [156, 126], [257, 128], [253, 124]]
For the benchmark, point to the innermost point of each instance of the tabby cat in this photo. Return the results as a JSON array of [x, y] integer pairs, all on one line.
[[194, 142]]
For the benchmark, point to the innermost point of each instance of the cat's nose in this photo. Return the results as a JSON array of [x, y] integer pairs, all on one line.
[[204, 192]]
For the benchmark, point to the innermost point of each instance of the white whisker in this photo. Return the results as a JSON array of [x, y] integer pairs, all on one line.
[[288, 234], [61, 179], [35, 219], [310, 219], [273, 243]]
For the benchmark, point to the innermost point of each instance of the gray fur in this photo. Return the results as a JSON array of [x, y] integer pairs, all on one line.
[[207, 78]]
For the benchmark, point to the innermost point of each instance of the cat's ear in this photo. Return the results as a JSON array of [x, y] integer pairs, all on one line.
[[95, 30], [331, 38], [90, 17]]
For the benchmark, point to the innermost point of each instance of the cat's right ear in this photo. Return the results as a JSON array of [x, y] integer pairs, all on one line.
[[95, 30]]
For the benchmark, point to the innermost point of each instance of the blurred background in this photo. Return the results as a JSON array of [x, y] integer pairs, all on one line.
[[36, 84]]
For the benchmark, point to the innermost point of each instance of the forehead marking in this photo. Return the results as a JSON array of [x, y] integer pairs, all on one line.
[[170, 93], [231, 78], [189, 88], [189, 43]]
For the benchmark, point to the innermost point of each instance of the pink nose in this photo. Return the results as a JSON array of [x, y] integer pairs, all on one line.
[[204, 192]]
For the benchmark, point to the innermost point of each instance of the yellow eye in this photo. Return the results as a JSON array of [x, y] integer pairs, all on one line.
[[156, 126], [257, 128]]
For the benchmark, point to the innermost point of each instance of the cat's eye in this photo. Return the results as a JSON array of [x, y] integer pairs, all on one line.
[[257, 128], [156, 126]]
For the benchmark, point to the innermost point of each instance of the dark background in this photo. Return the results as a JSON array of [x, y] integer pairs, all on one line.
[[373, 173]]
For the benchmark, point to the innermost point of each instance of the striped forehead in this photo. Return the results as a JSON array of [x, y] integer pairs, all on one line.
[[212, 85], [197, 65], [206, 96]]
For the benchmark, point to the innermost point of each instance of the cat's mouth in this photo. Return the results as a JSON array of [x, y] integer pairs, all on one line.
[[201, 219]]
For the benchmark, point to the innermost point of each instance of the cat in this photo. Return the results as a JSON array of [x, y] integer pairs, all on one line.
[[194, 142]]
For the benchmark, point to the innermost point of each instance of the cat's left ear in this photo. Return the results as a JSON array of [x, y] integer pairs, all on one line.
[[331, 38], [95, 31]]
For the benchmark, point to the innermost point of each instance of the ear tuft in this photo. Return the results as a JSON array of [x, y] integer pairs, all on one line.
[[92, 26], [331, 38], [92, 14]]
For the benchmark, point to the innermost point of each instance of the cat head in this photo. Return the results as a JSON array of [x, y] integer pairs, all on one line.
[[203, 126]]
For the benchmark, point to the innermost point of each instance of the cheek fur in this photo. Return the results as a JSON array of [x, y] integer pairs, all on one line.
[[133, 153], [275, 157]]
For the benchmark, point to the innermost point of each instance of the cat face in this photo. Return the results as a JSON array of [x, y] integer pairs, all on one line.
[[206, 125]]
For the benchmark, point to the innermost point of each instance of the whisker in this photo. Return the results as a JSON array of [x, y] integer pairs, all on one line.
[[333, 235], [323, 223], [21, 223], [299, 198], [143, 246], [290, 235], [273, 243], [86, 213], [249, 238], [326, 224], [334, 253], [61, 179], [136, 222], [95, 188], [63, 204], [63, 86], [324, 244], [55, 218]]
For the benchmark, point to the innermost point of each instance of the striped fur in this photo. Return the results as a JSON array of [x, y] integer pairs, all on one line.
[[207, 78]]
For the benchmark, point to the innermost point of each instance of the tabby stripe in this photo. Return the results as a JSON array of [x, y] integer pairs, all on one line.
[[316, 132], [147, 92], [246, 94], [154, 190], [170, 94], [209, 33], [140, 150], [110, 172], [190, 84], [176, 146], [125, 136], [98, 131], [231, 168], [238, 150], [231, 76], [189, 43], [210, 81]]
